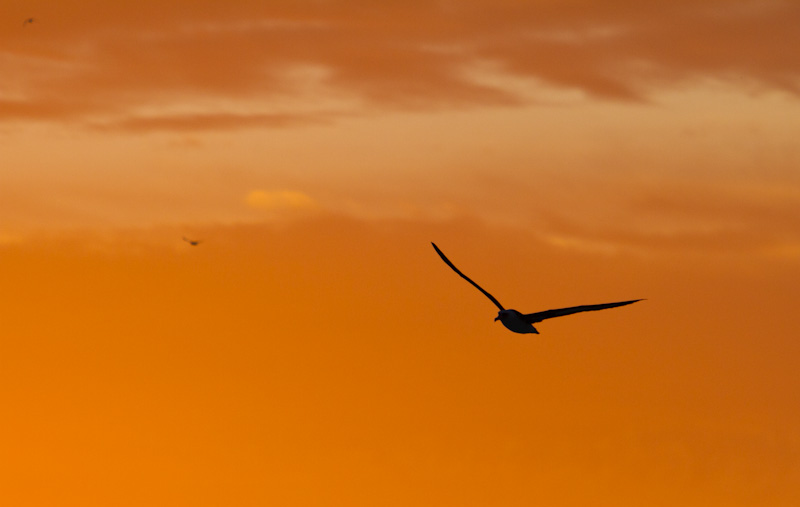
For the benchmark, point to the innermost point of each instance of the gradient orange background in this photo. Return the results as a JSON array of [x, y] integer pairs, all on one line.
[[314, 350]]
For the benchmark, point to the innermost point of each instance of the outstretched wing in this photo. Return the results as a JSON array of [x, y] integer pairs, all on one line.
[[465, 277], [560, 312]]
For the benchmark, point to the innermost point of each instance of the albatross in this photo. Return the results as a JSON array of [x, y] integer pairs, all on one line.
[[523, 322]]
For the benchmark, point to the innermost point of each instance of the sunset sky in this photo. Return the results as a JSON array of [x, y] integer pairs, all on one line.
[[313, 350]]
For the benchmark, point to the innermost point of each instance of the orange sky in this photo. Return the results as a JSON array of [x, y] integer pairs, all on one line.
[[314, 350]]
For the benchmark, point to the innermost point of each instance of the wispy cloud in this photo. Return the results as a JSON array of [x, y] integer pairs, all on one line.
[[108, 59], [280, 200], [679, 219], [213, 121]]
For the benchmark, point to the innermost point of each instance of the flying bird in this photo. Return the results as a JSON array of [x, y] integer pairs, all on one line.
[[521, 322], [193, 242], [27, 22]]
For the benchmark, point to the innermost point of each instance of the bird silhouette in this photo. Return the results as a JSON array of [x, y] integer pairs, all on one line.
[[27, 22], [521, 322], [193, 242]]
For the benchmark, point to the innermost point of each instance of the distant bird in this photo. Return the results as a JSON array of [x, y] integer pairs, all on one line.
[[27, 22], [523, 323], [193, 242]]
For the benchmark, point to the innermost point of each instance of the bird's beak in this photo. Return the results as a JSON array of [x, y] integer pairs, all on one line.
[[496, 319]]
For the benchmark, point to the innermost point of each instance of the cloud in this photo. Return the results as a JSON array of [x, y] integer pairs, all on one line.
[[85, 60], [280, 200], [668, 218], [211, 121], [9, 239]]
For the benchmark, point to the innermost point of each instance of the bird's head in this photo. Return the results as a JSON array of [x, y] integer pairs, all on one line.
[[501, 316]]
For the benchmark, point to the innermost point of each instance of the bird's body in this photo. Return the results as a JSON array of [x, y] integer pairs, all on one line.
[[515, 321], [28, 21], [193, 242], [523, 323]]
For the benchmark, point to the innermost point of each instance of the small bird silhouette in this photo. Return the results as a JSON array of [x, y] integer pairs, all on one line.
[[523, 323], [193, 242], [27, 22]]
